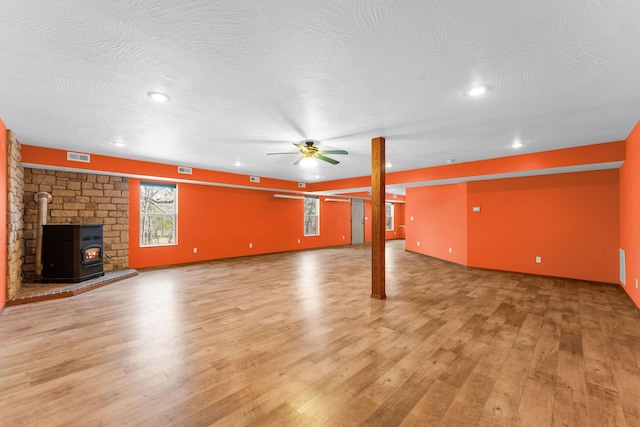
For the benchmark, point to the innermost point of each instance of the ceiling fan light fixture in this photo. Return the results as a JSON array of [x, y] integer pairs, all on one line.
[[158, 96], [476, 91], [309, 162]]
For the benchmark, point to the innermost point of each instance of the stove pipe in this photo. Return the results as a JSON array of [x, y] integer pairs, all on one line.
[[42, 198]]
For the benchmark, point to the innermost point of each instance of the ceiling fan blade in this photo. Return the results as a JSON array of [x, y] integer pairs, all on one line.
[[297, 162], [333, 152], [327, 159], [271, 154]]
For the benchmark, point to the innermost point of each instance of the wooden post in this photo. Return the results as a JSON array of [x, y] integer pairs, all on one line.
[[378, 224]]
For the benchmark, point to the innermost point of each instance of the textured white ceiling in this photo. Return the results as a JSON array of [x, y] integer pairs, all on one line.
[[251, 77]]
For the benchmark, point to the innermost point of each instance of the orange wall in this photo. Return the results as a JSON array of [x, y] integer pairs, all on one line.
[[630, 213], [439, 221], [584, 155], [116, 165], [3, 208], [398, 221], [570, 220], [221, 222]]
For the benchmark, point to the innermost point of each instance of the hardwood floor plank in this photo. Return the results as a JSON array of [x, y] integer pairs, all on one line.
[[571, 405], [503, 402], [470, 400], [432, 406], [605, 407], [536, 403]]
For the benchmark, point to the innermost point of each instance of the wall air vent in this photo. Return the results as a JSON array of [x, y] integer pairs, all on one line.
[[254, 178], [78, 157], [185, 170]]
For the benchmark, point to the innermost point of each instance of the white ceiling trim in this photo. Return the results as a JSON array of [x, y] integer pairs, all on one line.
[[401, 187], [391, 189]]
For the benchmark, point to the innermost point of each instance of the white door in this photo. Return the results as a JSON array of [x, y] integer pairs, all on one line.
[[357, 221]]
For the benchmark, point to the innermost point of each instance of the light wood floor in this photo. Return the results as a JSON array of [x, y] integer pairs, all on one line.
[[295, 339]]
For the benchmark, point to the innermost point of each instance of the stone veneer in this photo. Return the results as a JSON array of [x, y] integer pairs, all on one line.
[[15, 207], [79, 198]]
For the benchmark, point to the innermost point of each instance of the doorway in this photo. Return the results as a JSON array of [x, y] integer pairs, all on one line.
[[357, 221]]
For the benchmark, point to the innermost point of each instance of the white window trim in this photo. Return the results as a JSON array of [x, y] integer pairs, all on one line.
[[317, 215], [392, 216], [175, 216]]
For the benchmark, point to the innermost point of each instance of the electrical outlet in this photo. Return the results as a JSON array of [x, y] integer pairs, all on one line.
[[195, 250], [418, 243], [298, 240], [250, 245], [636, 283], [449, 250], [342, 237], [538, 259], [411, 218]]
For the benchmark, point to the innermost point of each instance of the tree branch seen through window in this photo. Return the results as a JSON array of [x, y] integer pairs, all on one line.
[[311, 216]]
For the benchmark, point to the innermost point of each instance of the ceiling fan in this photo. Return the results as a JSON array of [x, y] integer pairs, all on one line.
[[310, 151]]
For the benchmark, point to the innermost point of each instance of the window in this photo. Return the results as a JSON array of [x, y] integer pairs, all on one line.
[[311, 216], [158, 207], [389, 215]]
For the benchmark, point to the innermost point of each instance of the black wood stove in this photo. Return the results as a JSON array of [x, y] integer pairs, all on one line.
[[71, 252]]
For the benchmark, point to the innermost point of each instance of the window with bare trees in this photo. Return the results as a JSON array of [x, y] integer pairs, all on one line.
[[158, 219], [311, 216]]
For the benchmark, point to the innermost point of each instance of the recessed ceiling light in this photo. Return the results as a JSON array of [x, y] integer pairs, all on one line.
[[517, 144], [119, 143], [238, 163], [158, 96], [388, 165], [476, 91], [451, 161]]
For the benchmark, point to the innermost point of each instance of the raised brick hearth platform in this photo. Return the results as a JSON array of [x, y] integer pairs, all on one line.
[[34, 292]]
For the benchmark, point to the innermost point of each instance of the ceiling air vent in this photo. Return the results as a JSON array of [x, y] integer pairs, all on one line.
[[185, 170], [254, 178], [78, 157]]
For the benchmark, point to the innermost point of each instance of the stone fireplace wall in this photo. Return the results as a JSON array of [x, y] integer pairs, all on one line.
[[79, 198], [15, 208]]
